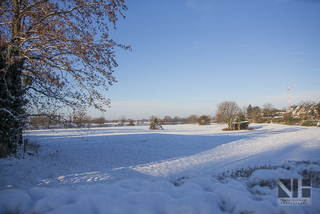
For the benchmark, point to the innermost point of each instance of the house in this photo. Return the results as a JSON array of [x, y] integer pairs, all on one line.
[[241, 125]]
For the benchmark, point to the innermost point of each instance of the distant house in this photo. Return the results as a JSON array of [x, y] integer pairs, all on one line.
[[303, 112], [241, 125], [279, 112]]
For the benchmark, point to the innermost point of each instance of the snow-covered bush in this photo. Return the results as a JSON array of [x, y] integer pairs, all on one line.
[[155, 124], [267, 175]]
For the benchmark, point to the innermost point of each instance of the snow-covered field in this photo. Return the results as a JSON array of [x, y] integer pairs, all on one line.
[[175, 170]]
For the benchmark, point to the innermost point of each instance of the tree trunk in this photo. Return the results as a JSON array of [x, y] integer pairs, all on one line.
[[11, 89]]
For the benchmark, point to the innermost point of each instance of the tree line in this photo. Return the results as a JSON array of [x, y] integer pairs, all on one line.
[[227, 112]]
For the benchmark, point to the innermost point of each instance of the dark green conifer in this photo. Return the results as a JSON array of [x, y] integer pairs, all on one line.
[[12, 102]]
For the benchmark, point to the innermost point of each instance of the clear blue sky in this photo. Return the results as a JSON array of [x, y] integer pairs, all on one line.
[[189, 55]]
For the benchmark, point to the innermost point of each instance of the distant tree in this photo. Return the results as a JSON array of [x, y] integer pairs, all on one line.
[[285, 117], [254, 113], [46, 120], [40, 121], [184, 120], [34, 121], [153, 117], [131, 122], [204, 120], [227, 112], [122, 120], [167, 119], [249, 109], [100, 121], [176, 120], [80, 119], [268, 109], [193, 118]]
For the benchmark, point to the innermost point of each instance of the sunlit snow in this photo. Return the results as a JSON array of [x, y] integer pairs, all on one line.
[[136, 170]]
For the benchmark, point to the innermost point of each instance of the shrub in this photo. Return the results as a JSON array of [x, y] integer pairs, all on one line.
[[260, 120], [310, 123], [293, 121], [155, 124], [204, 120]]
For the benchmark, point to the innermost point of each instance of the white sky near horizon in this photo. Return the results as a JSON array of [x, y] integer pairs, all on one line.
[[189, 55]]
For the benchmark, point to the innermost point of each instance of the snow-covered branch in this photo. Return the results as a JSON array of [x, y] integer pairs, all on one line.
[[9, 112]]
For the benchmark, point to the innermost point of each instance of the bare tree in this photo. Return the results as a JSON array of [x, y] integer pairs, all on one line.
[[167, 120], [131, 122], [100, 121], [227, 112], [176, 120], [44, 120], [59, 50], [204, 120], [193, 118], [285, 117], [122, 120], [58, 45], [80, 119], [268, 109]]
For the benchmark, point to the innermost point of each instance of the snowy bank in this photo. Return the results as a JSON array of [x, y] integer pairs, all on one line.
[[184, 192]]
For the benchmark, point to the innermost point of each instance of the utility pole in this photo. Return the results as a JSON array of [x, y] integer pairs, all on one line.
[[288, 97]]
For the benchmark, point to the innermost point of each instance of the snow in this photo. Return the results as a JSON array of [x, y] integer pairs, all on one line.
[[175, 170]]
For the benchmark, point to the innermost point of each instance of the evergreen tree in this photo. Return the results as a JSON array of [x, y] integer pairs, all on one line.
[[12, 102], [249, 109]]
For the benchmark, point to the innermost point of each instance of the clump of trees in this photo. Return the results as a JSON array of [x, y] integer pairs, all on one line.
[[54, 52], [80, 119], [253, 113], [131, 122], [268, 110], [193, 118], [45, 121], [302, 114], [204, 120], [227, 112], [99, 120]]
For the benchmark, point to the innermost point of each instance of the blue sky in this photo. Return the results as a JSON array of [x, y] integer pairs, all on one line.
[[189, 55]]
